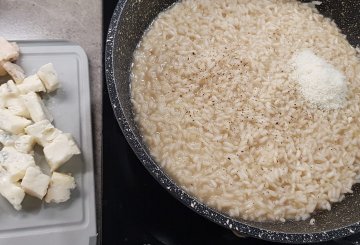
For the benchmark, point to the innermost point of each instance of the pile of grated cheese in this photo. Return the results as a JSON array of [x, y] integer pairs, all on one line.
[[320, 82]]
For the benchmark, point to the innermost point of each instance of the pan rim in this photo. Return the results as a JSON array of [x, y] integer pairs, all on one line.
[[176, 191]]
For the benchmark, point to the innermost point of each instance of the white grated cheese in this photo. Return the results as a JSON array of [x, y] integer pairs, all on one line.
[[320, 83]]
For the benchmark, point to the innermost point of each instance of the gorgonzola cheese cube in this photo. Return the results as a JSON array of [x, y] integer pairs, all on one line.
[[35, 183], [43, 131], [36, 107], [24, 144], [60, 150], [31, 84], [48, 76], [15, 163], [11, 191], [59, 189], [12, 123]]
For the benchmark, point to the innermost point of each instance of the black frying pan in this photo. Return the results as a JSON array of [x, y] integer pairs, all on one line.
[[130, 19]]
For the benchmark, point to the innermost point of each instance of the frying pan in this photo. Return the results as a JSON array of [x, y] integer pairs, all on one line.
[[130, 19]]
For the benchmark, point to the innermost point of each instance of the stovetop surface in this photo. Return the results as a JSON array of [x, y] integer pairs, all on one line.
[[136, 209]]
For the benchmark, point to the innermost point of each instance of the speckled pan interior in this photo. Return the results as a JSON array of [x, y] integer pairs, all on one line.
[[130, 19]]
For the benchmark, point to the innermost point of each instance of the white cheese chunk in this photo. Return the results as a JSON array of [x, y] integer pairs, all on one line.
[[43, 131], [7, 139], [60, 150], [9, 89], [35, 183], [15, 71], [8, 51], [24, 143], [36, 107], [31, 84], [48, 76], [12, 123], [16, 106], [59, 189], [15, 163], [11, 191]]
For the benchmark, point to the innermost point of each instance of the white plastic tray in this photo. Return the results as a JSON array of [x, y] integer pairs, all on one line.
[[73, 222]]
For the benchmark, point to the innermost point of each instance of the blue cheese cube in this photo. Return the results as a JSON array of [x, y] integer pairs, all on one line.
[[7, 139], [9, 89], [16, 106], [8, 50], [15, 163], [12, 123], [24, 144], [43, 132], [48, 76], [35, 183], [60, 150], [10, 190], [9, 98], [15, 71], [31, 84], [60, 187], [36, 107]]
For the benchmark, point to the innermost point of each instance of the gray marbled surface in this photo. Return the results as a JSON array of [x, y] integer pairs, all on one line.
[[79, 21]]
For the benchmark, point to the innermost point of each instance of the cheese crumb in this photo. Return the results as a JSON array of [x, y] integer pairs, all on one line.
[[320, 83]]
